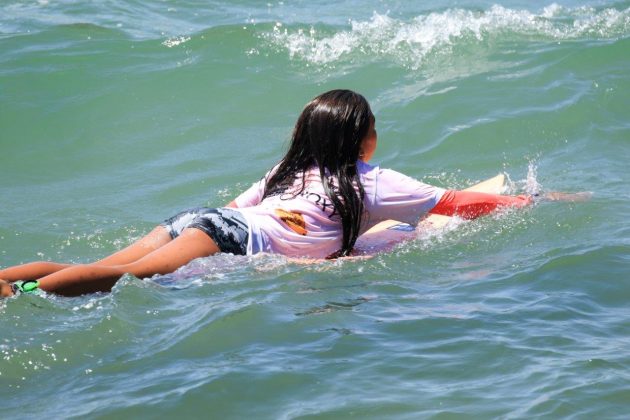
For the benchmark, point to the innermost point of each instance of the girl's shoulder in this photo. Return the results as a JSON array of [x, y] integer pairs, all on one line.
[[374, 173]]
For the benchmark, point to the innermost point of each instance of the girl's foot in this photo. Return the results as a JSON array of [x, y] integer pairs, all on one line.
[[5, 289]]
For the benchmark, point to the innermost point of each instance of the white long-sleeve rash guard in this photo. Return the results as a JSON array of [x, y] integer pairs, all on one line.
[[307, 225]]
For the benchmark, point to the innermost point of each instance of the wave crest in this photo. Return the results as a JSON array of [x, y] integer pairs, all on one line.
[[410, 41]]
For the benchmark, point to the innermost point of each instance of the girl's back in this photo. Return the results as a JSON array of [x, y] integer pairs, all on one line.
[[302, 220]]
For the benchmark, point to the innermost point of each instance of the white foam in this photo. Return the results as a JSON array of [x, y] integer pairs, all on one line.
[[410, 41], [532, 186], [175, 41]]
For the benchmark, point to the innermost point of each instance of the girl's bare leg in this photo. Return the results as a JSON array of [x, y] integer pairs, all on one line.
[[81, 279], [32, 271], [155, 239]]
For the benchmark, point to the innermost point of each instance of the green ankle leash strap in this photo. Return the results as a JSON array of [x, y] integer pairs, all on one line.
[[27, 286]]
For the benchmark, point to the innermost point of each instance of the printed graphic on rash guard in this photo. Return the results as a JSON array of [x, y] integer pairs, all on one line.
[[321, 201], [294, 220]]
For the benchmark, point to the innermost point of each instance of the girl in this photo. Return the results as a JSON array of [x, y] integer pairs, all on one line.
[[315, 203]]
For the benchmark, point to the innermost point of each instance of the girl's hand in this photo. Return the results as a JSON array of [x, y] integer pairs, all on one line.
[[5, 289], [570, 197]]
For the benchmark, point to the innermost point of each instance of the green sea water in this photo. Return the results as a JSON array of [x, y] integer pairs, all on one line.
[[115, 115]]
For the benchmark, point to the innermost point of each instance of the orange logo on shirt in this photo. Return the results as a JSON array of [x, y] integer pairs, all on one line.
[[294, 220]]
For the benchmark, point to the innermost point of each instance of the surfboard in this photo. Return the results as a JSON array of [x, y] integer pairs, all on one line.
[[389, 233]]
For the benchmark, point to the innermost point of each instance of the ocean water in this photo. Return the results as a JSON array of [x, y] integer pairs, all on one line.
[[116, 114]]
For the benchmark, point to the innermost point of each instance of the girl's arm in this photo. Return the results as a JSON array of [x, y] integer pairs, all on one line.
[[470, 205]]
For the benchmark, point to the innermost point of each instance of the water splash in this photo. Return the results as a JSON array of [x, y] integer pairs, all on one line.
[[532, 186], [175, 41], [410, 42]]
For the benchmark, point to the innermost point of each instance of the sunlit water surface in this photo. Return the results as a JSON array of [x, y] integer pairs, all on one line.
[[115, 115]]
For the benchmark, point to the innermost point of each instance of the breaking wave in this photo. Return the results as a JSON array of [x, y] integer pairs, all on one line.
[[410, 41]]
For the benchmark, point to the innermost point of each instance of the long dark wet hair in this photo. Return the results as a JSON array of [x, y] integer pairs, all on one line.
[[328, 135]]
